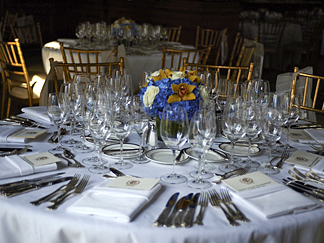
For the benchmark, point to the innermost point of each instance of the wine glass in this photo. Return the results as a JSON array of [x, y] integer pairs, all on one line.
[[69, 90], [271, 132], [80, 31], [140, 125], [122, 120], [234, 125], [221, 93], [99, 126], [254, 128], [57, 111], [89, 31], [202, 131], [293, 114], [174, 129]]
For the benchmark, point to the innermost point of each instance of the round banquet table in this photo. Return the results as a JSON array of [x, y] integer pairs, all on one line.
[[22, 222]]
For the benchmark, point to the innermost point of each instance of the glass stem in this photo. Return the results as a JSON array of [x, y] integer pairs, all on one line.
[[269, 157], [121, 151], [59, 137], [141, 145], [287, 138], [232, 153], [200, 159], [71, 129], [249, 151], [174, 157]]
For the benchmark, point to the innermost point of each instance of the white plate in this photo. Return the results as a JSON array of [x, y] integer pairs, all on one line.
[[211, 156], [241, 150], [164, 156], [113, 150]]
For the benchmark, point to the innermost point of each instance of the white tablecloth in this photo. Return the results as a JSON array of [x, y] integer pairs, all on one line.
[[22, 222]]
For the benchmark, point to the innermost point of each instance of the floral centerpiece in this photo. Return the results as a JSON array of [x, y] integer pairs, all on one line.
[[174, 88], [124, 23]]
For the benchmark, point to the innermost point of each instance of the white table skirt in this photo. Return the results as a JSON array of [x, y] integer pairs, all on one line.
[[22, 222]]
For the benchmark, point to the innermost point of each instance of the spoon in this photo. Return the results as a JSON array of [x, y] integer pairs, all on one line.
[[70, 164], [68, 154]]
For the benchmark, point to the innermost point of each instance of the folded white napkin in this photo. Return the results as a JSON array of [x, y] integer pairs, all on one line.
[[37, 112], [6, 131], [113, 203], [275, 200], [317, 134], [318, 168], [13, 165]]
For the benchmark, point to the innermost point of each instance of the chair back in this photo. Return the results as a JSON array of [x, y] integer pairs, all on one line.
[[174, 33], [241, 52], [236, 74], [316, 105], [8, 20], [29, 35], [195, 56], [215, 38], [70, 69], [270, 35]]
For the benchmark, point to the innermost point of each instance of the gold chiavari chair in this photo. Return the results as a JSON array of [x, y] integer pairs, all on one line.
[[316, 105], [206, 37], [17, 84], [29, 35], [67, 70], [8, 20], [174, 33], [196, 56], [236, 74], [241, 52]]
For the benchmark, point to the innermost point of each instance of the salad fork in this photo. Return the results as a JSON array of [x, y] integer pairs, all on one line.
[[284, 156], [203, 202], [78, 190], [228, 201]]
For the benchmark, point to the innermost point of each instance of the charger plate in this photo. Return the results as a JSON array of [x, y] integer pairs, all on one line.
[[164, 156]]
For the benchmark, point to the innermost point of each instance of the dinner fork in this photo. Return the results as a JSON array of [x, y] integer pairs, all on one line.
[[228, 201], [62, 189], [284, 156], [78, 190], [203, 202], [215, 202]]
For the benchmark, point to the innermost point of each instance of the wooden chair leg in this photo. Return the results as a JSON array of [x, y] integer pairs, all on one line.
[[8, 107]]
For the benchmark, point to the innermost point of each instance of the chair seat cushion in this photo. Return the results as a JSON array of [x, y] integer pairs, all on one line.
[[20, 91]]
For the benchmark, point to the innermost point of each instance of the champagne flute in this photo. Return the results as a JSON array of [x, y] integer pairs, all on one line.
[[174, 129], [234, 125], [201, 134], [57, 111]]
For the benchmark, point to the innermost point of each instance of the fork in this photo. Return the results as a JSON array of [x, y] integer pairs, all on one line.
[[215, 202], [203, 202], [243, 171], [284, 156], [228, 201], [62, 189], [78, 190]]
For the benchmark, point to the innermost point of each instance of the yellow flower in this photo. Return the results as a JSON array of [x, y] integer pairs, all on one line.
[[191, 75], [182, 92]]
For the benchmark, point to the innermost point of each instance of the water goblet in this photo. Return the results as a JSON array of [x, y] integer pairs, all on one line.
[[174, 129]]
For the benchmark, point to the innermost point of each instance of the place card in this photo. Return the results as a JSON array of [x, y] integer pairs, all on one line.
[[129, 182], [249, 181], [304, 159], [28, 133], [41, 159], [300, 135], [317, 134]]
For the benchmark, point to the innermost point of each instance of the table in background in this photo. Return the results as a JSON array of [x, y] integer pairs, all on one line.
[[22, 222]]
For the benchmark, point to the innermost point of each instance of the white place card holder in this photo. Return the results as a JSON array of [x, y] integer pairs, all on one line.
[[41, 159], [249, 181], [28, 133], [129, 182], [304, 159]]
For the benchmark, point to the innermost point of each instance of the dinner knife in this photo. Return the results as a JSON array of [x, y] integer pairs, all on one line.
[[32, 187], [303, 185], [179, 218], [163, 216], [11, 184], [171, 217], [9, 149], [187, 221], [306, 192]]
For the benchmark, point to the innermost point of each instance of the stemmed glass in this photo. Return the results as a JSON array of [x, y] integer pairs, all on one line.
[[201, 134], [57, 111], [69, 90], [174, 129], [234, 125], [122, 121], [293, 114], [253, 112], [80, 31], [140, 125], [271, 132], [221, 93]]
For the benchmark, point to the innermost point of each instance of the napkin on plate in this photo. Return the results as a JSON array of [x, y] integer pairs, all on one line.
[[275, 200], [37, 112], [13, 165], [6, 131], [113, 203]]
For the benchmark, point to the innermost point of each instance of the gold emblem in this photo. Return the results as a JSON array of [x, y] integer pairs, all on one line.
[[295, 134], [301, 159], [132, 182], [42, 158], [246, 180], [31, 132]]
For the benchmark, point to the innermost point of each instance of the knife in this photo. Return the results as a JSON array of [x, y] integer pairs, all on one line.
[[303, 185], [187, 221], [9, 149], [178, 158], [305, 126], [32, 187], [11, 184], [178, 219], [27, 121], [306, 192], [171, 217], [162, 217]]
